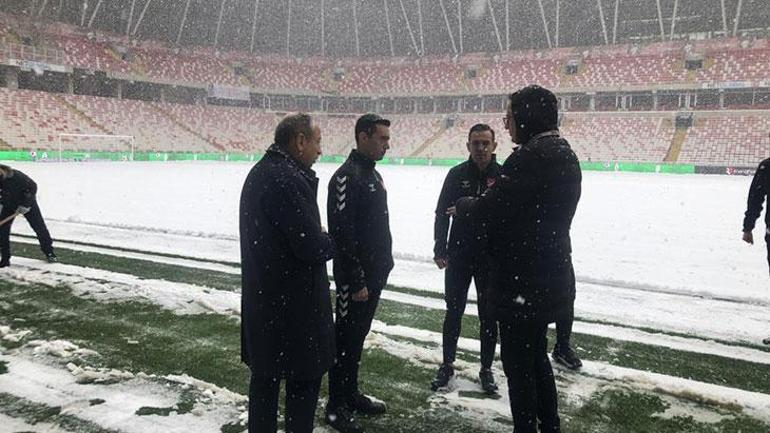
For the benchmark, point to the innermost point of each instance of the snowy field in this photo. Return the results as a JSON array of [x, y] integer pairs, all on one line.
[[671, 307], [637, 237]]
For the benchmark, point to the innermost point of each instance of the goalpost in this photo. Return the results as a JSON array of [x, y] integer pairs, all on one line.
[[94, 146]]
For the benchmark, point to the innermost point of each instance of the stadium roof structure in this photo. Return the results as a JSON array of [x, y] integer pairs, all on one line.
[[346, 28]]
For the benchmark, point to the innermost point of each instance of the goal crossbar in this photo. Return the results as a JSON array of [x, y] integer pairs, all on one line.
[[129, 138]]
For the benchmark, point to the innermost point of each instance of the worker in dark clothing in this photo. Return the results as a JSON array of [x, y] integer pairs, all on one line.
[[528, 214], [760, 186], [463, 258], [287, 329], [18, 196], [359, 224]]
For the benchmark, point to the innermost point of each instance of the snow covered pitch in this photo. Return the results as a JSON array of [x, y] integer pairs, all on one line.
[[671, 305]]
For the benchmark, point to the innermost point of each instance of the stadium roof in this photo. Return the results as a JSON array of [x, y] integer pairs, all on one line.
[[403, 27]]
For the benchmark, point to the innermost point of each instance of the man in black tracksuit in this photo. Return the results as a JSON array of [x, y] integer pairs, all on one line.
[[359, 224], [17, 196], [760, 187], [462, 256]]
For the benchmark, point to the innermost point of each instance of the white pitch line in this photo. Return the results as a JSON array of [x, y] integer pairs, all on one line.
[[176, 261]]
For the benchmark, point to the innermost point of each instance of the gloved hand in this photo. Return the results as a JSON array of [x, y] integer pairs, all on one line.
[[22, 210]]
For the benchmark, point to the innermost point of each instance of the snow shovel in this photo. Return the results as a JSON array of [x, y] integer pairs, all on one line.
[[8, 218]]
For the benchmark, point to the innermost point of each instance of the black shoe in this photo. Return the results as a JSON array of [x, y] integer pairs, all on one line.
[[566, 357], [342, 420], [365, 405], [4, 263], [445, 372], [487, 381], [52, 258], [766, 341]]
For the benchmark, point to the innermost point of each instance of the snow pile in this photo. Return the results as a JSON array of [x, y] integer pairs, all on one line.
[[106, 286], [113, 399], [59, 349], [7, 334], [88, 374]]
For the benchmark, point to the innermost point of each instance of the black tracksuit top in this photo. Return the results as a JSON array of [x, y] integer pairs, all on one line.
[[463, 180], [359, 223]]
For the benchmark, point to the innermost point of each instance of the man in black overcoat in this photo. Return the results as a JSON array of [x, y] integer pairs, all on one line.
[[528, 212], [287, 330]]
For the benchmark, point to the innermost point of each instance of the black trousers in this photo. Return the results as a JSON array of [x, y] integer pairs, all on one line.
[[301, 400], [457, 280], [564, 327], [353, 321], [35, 220], [531, 385], [767, 241]]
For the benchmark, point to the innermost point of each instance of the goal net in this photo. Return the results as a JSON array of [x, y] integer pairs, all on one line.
[[94, 147]]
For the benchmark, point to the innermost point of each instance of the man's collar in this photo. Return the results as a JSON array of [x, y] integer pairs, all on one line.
[[360, 158]]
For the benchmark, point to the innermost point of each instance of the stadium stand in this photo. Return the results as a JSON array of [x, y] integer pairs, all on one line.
[[619, 137], [740, 139], [187, 67], [618, 66], [152, 128], [84, 53], [34, 120], [228, 128]]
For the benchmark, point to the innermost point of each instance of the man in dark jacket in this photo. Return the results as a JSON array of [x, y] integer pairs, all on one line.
[[462, 257], [287, 330], [17, 196], [562, 350], [760, 186], [359, 224], [529, 212]]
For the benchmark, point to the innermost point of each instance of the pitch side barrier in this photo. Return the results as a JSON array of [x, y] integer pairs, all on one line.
[[94, 156]]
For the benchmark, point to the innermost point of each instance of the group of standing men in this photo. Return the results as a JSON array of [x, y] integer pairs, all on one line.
[[510, 228]]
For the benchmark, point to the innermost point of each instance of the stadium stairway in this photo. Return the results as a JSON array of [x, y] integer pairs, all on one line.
[[427, 143], [230, 70], [565, 79], [680, 134], [110, 52], [331, 85], [4, 145], [137, 65], [186, 127], [13, 37], [78, 112]]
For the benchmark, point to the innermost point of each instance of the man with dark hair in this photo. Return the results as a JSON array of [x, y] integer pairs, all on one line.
[[528, 214], [359, 224], [18, 197], [287, 329], [462, 258]]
